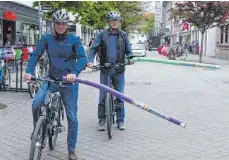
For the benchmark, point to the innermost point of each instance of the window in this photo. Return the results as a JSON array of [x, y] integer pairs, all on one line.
[[1, 32], [221, 37], [31, 34], [26, 33], [226, 34], [36, 34], [18, 38]]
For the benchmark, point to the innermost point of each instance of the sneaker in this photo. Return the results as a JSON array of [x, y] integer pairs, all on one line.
[[102, 126], [72, 156], [121, 126]]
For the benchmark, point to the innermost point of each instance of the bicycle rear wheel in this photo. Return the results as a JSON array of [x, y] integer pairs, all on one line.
[[38, 139], [183, 55], [109, 113]]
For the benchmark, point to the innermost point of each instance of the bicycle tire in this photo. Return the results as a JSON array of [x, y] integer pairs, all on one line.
[[183, 56], [8, 75], [54, 134], [109, 114], [39, 125]]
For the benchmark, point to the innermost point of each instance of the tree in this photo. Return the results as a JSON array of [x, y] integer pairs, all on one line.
[[93, 14], [147, 29], [130, 13], [203, 14]]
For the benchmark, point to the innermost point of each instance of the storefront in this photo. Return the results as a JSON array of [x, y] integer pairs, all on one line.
[[19, 24]]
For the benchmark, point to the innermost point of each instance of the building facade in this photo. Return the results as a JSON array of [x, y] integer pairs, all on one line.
[[158, 18]]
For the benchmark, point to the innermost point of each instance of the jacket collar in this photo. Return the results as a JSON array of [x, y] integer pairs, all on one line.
[[117, 31]]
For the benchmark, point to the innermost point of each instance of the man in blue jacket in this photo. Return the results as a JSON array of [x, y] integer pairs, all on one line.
[[114, 46], [63, 49]]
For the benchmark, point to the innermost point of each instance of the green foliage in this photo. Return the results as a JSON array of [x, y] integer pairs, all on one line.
[[202, 14], [148, 28], [93, 14]]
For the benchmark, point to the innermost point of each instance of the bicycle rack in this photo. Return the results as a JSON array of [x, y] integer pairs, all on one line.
[[18, 68], [19, 81]]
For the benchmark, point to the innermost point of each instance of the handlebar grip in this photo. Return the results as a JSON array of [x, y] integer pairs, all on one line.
[[64, 78], [33, 78]]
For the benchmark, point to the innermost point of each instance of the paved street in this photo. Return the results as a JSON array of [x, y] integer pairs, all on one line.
[[198, 97]]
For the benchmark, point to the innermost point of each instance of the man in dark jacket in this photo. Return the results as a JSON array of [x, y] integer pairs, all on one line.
[[114, 46]]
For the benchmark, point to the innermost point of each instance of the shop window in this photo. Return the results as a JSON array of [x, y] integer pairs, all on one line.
[[36, 34], [18, 38], [8, 32], [26, 28], [31, 34], [1, 32]]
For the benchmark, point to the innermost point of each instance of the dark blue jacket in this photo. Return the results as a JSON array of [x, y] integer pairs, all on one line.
[[66, 56], [100, 43]]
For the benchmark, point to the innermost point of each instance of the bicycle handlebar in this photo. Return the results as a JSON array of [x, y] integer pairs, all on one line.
[[58, 82]]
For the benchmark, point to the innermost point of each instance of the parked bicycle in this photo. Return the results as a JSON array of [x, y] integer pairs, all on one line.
[[111, 103], [49, 123], [41, 70], [5, 76], [174, 54]]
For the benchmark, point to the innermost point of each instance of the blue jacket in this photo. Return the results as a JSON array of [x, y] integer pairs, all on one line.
[[62, 58], [100, 44]]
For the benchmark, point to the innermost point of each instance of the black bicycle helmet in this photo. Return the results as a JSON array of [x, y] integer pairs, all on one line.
[[113, 15]]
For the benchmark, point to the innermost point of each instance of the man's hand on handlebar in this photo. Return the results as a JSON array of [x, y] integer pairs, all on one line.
[[90, 65], [27, 77], [71, 78]]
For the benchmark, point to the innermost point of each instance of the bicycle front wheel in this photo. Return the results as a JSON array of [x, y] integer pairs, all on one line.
[[109, 113], [7, 78], [38, 139], [55, 129]]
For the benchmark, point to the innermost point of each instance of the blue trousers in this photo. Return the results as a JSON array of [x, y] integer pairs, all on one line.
[[118, 80], [70, 96]]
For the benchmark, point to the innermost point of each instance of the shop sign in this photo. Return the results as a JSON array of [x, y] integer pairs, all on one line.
[[47, 8], [185, 26], [9, 15]]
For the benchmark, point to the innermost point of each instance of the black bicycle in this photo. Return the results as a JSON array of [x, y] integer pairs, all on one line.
[[111, 104], [49, 123]]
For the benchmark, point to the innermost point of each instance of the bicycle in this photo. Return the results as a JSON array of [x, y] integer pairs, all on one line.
[[50, 117], [40, 71], [111, 103], [5, 76], [174, 54]]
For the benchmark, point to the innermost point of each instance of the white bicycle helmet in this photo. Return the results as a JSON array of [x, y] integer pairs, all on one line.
[[60, 16]]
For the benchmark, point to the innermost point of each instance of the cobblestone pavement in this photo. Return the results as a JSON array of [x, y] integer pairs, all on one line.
[[196, 96]]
